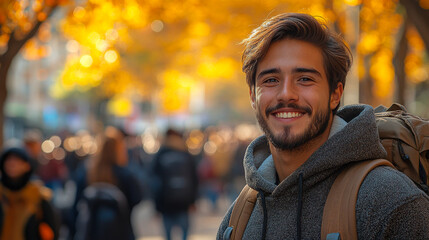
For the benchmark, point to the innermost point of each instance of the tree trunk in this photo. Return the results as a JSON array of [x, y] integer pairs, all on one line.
[[4, 66], [399, 64], [419, 17], [366, 84]]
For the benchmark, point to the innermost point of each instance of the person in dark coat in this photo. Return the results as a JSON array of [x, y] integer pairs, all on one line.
[[108, 166], [25, 209], [176, 183]]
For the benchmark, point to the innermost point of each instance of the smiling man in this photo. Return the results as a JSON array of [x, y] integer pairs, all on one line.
[[296, 71]]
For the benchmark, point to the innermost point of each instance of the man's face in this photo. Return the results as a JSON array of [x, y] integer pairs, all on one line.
[[291, 96]]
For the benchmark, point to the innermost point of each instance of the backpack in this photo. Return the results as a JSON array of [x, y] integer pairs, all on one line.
[[405, 138], [103, 213], [177, 174]]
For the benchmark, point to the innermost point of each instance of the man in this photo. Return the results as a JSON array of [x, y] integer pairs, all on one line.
[[296, 71], [176, 183]]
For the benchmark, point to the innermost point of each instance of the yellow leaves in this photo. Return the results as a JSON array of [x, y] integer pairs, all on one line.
[[72, 46], [120, 106], [37, 6], [86, 61], [199, 29], [3, 41], [94, 37], [44, 33], [111, 56], [424, 4], [134, 15], [176, 91], [382, 72], [118, 82], [79, 13], [369, 43], [225, 68], [353, 2], [57, 90], [157, 26], [33, 50], [415, 67], [112, 34], [415, 40], [318, 10], [186, 43], [361, 68], [78, 77], [41, 16]]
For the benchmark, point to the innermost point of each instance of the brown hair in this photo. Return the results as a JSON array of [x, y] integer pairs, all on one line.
[[101, 169], [336, 55]]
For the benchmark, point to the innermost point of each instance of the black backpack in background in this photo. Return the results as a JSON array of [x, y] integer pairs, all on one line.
[[103, 213], [177, 175]]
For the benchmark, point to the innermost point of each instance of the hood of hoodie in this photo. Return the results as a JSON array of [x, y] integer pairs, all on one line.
[[19, 183], [332, 155]]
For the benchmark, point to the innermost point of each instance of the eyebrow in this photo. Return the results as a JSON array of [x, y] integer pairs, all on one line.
[[306, 70], [268, 71], [295, 70]]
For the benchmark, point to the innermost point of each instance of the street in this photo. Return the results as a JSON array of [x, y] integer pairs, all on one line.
[[204, 221]]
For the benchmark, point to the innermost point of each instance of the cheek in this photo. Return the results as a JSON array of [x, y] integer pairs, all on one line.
[[260, 97]]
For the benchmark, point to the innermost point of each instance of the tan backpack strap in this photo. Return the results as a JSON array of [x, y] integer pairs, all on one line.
[[241, 211], [339, 215]]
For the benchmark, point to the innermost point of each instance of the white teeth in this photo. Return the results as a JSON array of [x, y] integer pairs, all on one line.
[[288, 115]]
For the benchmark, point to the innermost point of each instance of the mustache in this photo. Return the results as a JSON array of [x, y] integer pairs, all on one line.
[[269, 110]]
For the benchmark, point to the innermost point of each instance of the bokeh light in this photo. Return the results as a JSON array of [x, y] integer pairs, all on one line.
[[48, 146]]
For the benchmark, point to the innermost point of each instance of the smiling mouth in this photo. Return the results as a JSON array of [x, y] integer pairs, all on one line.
[[287, 115]]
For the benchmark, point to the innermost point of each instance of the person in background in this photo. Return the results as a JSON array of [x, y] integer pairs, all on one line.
[[175, 183], [25, 211], [32, 141], [108, 166]]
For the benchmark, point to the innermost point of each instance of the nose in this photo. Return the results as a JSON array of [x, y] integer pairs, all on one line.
[[288, 91]]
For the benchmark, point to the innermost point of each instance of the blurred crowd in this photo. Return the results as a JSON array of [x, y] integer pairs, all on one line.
[[74, 173]]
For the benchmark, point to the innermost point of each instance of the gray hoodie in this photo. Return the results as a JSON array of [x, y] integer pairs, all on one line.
[[389, 206]]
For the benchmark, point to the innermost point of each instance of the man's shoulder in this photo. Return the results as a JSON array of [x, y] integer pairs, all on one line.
[[390, 205], [388, 186]]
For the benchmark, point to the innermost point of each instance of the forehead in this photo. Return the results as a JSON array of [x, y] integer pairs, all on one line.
[[287, 54], [14, 156]]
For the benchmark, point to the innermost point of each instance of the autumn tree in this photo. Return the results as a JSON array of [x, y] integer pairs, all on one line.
[[166, 51], [20, 21], [171, 46], [392, 49]]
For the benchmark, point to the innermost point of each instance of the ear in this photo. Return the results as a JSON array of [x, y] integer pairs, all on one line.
[[252, 97], [336, 96]]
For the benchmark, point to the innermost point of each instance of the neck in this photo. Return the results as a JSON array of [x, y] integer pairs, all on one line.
[[287, 161]]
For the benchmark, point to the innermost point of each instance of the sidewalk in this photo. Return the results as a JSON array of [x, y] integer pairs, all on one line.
[[204, 222]]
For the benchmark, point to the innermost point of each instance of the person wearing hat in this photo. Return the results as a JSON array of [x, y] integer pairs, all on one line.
[[25, 210]]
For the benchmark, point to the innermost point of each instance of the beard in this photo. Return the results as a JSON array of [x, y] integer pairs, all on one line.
[[286, 141]]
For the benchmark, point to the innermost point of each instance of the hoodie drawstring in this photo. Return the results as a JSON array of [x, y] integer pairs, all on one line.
[[299, 209], [264, 208]]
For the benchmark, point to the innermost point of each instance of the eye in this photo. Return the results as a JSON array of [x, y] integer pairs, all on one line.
[[270, 80], [305, 79]]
